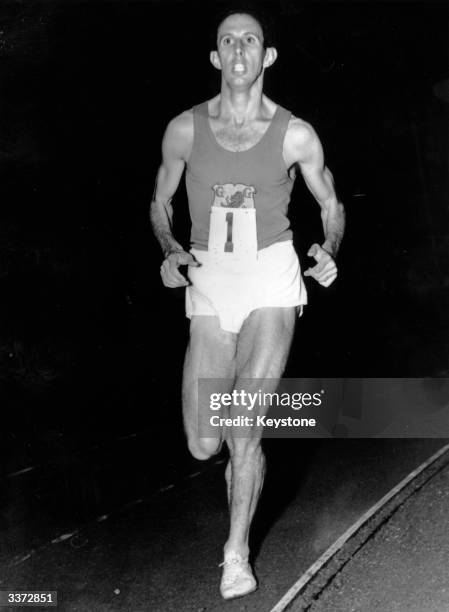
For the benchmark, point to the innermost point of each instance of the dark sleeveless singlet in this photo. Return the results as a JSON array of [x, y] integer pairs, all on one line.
[[258, 173]]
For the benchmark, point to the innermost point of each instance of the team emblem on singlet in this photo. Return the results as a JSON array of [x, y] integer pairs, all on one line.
[[232, 229], [233, 195]]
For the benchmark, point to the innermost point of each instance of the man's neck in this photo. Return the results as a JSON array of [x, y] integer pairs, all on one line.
[[241, 107]]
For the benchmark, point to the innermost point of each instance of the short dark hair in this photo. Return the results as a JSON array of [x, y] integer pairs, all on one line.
[[263, 17]]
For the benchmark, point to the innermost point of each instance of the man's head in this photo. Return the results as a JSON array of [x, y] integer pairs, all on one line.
[[242, 46], [255, 10]]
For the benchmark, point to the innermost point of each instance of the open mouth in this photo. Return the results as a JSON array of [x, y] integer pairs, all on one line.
[[238, 68]]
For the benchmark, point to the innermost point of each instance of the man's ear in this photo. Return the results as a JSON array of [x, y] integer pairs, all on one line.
[[215, 60], [270, 57]]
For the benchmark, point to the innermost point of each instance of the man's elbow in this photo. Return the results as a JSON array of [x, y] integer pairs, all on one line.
[[340, 209], [332, 201], [161, 203], [331, 204], [333, 209], [155, 210], [328, 175]]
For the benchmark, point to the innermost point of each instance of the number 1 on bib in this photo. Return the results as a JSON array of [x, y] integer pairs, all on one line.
[[233, 236], [229, 247]]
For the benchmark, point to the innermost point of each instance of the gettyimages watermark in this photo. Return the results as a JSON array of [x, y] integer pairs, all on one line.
[[325, 407], [255, 404]]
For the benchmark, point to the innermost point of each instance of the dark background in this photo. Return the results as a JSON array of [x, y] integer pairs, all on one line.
[[91, 344]]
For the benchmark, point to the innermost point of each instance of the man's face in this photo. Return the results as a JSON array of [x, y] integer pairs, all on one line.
[[240, 51]]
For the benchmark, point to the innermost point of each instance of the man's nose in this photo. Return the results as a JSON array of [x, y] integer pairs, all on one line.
[[238, 47]]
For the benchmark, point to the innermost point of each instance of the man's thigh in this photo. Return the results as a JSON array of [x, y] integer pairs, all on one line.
[[264, 343], [211, 350], [262, 351], [210, 355]]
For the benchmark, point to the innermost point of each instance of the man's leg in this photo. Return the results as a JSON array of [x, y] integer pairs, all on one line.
[[211, 353], [262, 350]]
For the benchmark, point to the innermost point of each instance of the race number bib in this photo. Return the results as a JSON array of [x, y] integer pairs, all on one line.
[[233, 235]]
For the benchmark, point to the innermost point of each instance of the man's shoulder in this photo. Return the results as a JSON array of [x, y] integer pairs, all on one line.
[[178, 137], [300, 140], [300, 132], [181, 126]]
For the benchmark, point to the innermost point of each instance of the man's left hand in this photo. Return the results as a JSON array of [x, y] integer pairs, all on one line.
[[325, 270]]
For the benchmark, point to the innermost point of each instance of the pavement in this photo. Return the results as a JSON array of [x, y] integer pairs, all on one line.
[[160, 553], [403, 566]]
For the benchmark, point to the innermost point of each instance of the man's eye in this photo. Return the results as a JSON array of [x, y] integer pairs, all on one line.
[[251, 39], [226, 40]]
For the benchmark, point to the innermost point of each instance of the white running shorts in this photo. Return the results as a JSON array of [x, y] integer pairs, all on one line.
[[231, 292]]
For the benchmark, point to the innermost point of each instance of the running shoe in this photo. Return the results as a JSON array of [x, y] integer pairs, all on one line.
[[237, 579]]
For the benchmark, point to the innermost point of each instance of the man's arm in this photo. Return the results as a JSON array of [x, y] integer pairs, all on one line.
[[176, 147], [307, 152]]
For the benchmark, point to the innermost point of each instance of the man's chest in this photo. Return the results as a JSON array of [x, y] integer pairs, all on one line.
[[239, 138]]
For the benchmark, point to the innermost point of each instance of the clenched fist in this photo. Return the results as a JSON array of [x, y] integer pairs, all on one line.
[[325, 270], [171, 277]]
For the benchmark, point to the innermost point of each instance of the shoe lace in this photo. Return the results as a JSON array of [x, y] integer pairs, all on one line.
[[234, 560]]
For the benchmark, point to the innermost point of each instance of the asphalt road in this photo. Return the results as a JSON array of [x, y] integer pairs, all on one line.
[[403, 567], [162, 553]]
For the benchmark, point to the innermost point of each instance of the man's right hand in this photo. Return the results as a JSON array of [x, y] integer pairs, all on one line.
[[171, 277]]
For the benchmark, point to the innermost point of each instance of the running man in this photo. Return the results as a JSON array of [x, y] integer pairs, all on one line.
[[244, 289]]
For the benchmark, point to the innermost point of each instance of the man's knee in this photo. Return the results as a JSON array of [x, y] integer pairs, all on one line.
[[204, 448], [245, 449]]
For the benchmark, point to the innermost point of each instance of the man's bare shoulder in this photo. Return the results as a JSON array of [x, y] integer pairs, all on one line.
[[301, 141], [181, 125], [300, 132], [178, 136]]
